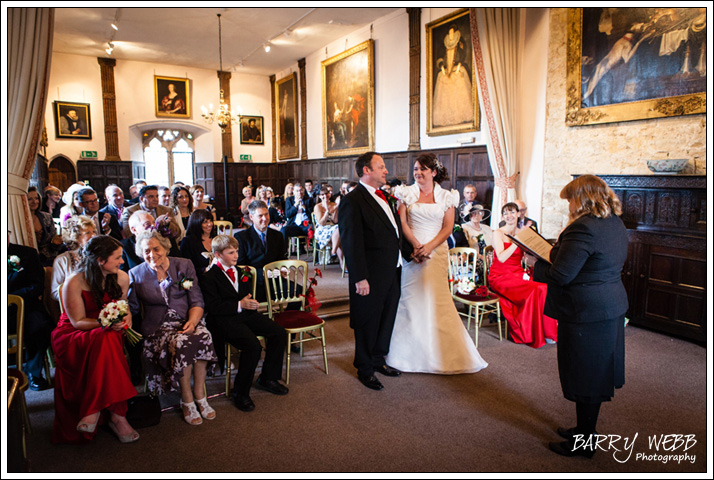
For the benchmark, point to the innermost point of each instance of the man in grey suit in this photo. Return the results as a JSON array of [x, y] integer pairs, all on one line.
[[149, 202]]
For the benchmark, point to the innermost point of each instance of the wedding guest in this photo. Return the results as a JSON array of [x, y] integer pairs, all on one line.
[[198, 238], [26, 279], [247, 200], [71, 202], [115, 207], [49, 244], [164, 196], [136, 192], [522, 300], [233, 318], [277, 214], [138, 223], [297, 212], [287, 193], [587, 297], [182, 204], [92, 374], [105, 223], [53, 201], [478, 235], [197, 193], [149, 202], [177, 344], [523, 221], [326, 228], [75, 234]]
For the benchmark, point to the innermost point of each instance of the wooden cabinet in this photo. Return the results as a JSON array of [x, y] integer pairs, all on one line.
[[666, 270]]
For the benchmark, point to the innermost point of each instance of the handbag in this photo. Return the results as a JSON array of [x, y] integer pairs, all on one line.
[[143, 411]]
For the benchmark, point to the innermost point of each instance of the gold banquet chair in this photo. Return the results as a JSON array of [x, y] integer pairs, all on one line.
[[462, 264], [223, 227], [230, 349], [15, 344], [280, 294]]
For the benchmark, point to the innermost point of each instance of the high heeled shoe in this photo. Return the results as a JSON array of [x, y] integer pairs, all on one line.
[[132, 437], [193, 418], [206, 410], [86, 427]]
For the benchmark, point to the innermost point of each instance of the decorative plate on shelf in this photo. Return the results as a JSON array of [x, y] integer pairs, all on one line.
[[670, 165]]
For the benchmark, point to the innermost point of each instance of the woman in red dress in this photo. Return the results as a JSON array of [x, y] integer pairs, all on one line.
[[92, 374], [522, 301]]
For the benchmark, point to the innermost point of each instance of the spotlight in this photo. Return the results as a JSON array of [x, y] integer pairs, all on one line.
[[114, 26], [110, 48], [266, 47]]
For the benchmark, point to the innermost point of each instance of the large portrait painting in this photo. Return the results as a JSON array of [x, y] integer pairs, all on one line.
[[72, 120], [286, 113], [171, 97], [451, 98], [635, 63], [348, 101]]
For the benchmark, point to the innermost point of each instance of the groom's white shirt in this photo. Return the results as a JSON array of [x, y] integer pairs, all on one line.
[[387, 211]]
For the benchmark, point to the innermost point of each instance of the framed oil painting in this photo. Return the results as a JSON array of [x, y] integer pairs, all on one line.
[[451, 97], [286, 113], [251, 130], [635, 63], [172, 97], [72, 120], [348, 101]]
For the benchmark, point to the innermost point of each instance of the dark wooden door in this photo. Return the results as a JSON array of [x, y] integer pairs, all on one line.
[[61, 173]]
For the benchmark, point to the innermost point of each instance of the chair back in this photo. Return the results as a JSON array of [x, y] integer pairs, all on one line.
[[279, 292], [462, 265], [253, 276], [14, 341], [223, 227], [487, 262]]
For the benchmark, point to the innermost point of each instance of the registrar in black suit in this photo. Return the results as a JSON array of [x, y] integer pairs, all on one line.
[[372, 251], [241, 331]]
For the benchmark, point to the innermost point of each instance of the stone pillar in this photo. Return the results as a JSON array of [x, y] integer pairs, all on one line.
[[224, 80], [111, 135], [272, 116], [303, 110], [414, 76]]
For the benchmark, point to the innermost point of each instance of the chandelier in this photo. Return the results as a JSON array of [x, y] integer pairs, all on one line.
[[223, 116]]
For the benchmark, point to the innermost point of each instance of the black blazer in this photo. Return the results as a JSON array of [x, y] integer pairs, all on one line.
[[584, 283], [220, 297], [291, 210], [114, 225], [369, 242], [251, 252], [29, 282], [192, 248]]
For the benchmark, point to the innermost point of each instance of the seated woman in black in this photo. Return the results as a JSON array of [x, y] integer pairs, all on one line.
[[198, 237]]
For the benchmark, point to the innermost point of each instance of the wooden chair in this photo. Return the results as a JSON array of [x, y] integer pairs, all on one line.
[[462, 265], [14, 348], [294, 245], [280, 294], [320, 255], [230, 349], [223, 227]]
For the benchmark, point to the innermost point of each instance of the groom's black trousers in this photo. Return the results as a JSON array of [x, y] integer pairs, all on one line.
[[373, 321]]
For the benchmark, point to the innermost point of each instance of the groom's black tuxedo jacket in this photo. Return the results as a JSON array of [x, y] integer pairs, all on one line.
[[251, 252], [369, 242]]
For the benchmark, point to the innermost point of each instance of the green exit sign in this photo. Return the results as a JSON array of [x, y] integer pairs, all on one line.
[[89, 154], [246, 156]]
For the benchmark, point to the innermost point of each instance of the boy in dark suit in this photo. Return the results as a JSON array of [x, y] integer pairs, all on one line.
[[232, 317]]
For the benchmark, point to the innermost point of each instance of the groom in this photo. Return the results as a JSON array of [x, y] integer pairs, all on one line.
[[371, 238]]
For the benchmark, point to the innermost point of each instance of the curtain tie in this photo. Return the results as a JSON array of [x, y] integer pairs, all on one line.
[[506, 182]]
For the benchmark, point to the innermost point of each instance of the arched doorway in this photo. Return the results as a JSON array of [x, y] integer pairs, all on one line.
[[61, 173]]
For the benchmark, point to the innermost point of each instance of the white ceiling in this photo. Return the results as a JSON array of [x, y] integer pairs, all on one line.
[[189, 36]]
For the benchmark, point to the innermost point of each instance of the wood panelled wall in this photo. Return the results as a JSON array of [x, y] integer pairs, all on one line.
[[464, 164]]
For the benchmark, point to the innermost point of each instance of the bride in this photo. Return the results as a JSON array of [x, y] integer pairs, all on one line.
[[429, 335]]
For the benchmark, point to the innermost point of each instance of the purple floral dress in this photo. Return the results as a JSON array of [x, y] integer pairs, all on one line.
[[165, 310]]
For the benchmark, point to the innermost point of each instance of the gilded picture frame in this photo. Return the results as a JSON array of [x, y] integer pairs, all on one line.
[[287, 117], [451, 94], [172, 97], [72, 120], [251, 130], [627, 64], [348, 101]]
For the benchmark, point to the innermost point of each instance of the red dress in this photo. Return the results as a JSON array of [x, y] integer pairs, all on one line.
[[522, 301], [91, 375]]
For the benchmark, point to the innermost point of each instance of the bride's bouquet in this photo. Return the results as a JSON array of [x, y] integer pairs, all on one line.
[[114, 312]]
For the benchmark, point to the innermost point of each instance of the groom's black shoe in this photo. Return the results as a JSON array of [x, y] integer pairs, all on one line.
[[370, 382], [388, 371]]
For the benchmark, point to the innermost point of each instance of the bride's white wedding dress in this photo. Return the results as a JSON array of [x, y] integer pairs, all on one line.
[[429, 335]]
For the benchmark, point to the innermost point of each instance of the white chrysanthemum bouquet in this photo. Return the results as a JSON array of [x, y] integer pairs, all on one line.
[[114, 312]]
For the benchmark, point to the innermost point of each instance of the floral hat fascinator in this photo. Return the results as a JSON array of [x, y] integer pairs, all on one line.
[[468, 209]]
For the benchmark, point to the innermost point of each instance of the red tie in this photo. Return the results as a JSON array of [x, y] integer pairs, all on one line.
[[230, 272], [381, 195]]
